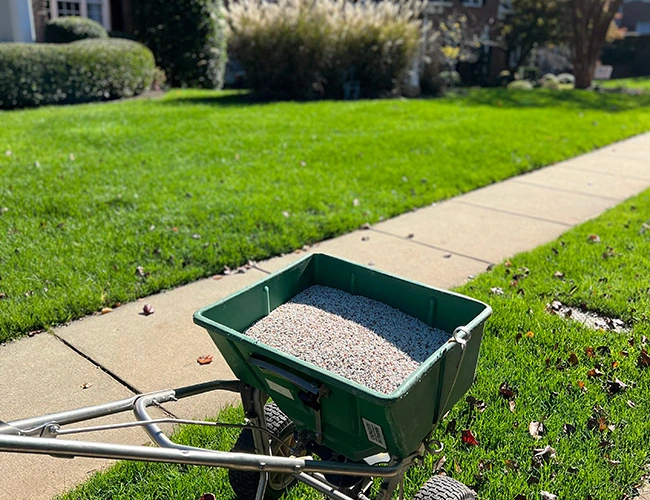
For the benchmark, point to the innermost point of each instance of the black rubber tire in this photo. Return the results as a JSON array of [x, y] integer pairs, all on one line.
[[444, 488], [244, 484]]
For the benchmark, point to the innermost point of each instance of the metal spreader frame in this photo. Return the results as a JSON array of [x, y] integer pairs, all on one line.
[[39, 434]]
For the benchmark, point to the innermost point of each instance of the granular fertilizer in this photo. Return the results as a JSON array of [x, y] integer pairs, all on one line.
[[355, 337]]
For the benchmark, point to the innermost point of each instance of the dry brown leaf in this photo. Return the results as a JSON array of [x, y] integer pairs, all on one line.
[[205, 360], [573, 359], [511, 405], [106, 310], [536, 429], [148, 309]]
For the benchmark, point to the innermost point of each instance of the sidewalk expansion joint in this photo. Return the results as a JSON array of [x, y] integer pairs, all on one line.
[[108, 372], [609, 174], [428, 245], [515, 214], [569, 191]]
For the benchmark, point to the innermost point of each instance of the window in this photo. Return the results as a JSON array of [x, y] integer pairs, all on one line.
[[472, 3], [97, 10]]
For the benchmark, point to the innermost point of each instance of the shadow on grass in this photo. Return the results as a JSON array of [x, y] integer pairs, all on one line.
[[570, 99], [496, 97]]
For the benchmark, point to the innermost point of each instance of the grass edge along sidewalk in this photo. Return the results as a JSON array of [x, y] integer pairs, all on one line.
[[589, 389], [102, 204]]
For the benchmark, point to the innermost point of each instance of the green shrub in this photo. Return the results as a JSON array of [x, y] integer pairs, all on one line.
[[89, 70], [550, 81], [302, 49], [520, 85], [186, 37], [73, 28], [566, 79], [450, 78]]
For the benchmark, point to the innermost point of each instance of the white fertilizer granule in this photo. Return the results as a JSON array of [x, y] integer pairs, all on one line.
[[355, 337]]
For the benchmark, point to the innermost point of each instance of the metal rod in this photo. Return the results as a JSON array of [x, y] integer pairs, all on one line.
[[55, 431], [34, 425], [324, 488], [229, 460], [261, 487], [215, 385]]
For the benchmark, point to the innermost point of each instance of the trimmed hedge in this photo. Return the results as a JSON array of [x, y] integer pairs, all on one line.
[[72, 28], [187, 38], [88, 70]]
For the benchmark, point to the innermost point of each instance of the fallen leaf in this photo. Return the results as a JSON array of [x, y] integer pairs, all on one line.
[[217, 277], [439, 465], [3, 295], [106, 310], [573, 359], [410, 236], [511, 405], [8, 152], [594, 372], [451, 426], [205, 360], [457, 468], [468, 438], [590, 352], [512, 465], [447, 256], [140, 271], [495, 290], [366, 226], [371, 263], [644, 359], [196, 236], [547, 496], [476, 403], [208, 496], [365, 238], [86, 385], [558, 274], [507, 392], [356, 202], [613, 462], [148, 309], [536, 429], [593, 238], [569, 429], [615, 365], [544, 454], [631, 403], [615, 386], [625, 354], [286, 214], [303, 163]]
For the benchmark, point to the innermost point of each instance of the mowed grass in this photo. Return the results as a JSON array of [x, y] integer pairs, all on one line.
[[637, 83], [101, 204], [545, 359]]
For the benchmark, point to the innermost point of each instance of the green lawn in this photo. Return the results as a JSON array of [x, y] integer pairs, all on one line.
[[546, 359], [104, 203], [638, 83]]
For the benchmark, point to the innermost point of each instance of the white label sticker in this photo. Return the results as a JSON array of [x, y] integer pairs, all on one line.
[[279, 389], [374, 433]]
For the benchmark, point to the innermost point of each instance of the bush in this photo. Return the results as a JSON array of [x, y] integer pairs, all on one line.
[[566, 79], [520, 85], [550, 81], [72, 28], [530, 73], [186, 37], [302, 49], [450, 78], [89, 70]]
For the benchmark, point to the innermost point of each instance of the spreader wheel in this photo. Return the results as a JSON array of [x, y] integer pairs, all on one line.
[[444, 488], [244, 484]]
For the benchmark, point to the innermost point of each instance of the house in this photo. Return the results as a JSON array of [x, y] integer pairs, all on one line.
[[25, 20], [636, 16]]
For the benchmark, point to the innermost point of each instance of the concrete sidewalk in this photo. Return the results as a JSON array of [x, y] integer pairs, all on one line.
[[121, 353]]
